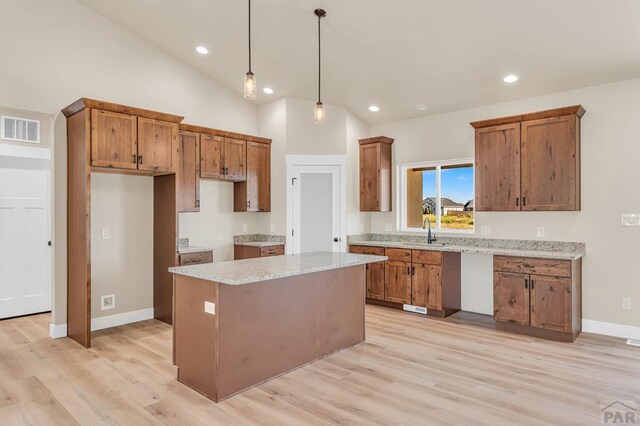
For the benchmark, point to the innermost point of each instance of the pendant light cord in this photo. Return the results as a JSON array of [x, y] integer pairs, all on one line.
[[249, 35], [319, 60]]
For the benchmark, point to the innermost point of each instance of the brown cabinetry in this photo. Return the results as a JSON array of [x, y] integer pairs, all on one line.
[[398, 282], [197, 258], [241, 251], [235, 159], [222, 158], [189, 175], [375, 174], [538, 296], [375, 276], [254, 193], [529, 162], [157, 145]]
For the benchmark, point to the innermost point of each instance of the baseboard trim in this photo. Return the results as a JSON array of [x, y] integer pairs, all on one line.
[[57, 331], [610, 329], [101, 323]]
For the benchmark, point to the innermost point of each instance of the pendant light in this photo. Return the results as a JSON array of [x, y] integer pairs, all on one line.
[[250, 85], [319, 113]]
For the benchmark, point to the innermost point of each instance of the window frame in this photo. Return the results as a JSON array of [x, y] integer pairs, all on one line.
[[401, 174]]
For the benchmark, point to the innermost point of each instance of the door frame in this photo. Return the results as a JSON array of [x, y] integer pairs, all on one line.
[[317, 160]]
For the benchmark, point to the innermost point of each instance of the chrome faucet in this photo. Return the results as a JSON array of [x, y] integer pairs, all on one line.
[[430, 238]]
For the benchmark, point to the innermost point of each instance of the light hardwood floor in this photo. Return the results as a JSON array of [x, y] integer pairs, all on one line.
[[411, 370]]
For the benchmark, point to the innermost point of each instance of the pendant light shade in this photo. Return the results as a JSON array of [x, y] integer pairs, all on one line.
[[319, 113], [250, 85]]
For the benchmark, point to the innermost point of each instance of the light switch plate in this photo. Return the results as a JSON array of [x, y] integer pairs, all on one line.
[[540, 231], [209, 307], [630, 219], [272, 229], [626, 303], [485, 230], [106, 233]]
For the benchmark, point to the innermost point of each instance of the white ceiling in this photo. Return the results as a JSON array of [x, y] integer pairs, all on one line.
[[448, 54]]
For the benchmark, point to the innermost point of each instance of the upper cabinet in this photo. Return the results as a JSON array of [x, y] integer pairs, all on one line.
[[254, 193], [235, 159], [375, 174], [222, 158], [189, 172], [114, 140], [529, 162], [157, 145]]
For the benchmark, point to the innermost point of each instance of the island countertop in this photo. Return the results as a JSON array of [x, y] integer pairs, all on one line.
[[247, 271]]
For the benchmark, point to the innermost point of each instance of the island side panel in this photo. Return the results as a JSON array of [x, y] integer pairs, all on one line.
[[271, 327], [195, 334]]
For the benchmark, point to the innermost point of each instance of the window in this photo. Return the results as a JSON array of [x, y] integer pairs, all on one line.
[[20, 130], [442, 192]]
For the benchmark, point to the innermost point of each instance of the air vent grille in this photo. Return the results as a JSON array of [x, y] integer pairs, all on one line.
[[20, 129]]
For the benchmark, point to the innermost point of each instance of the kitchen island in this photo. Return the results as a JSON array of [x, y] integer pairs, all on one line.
[[240, 323]]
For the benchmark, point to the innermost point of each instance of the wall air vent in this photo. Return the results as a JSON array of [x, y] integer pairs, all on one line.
[[16, 129]]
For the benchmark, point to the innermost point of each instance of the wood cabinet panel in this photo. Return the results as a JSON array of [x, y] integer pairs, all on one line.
[[235, 159], [497, 168], [252, 252], [375, 174], [113, 140], [551, 303], [189, 172], [157, 145], [399, 255], [375, 281], [511, 297], [528, 265], [211, 157], [426, 286], [271, 251], [196, 258], [375, 251], [254, 194], [550, 164], [427, 257], [398, 282]]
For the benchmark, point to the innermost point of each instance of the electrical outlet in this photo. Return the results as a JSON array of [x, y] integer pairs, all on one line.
[[626, 303], [485, 230], [631, 220], [209, 308], [540, 231], [245, 228], [106, 233], [108, 302], [272, 229]]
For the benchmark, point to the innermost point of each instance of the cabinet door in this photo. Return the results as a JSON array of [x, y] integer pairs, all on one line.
[[113, 140], [235, 159], [211, 157], [551, 303], [497, 168], [157, 145], [511, 297], [375, 281], [189, 173], [398, 282], [550, 164], [369, 177], [258, 177], [426, 286]]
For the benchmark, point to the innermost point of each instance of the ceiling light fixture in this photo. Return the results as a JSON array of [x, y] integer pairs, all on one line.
[[268, 90], [374, 108], [202, 50], [319, 113], [510, 78], [250, 85], [421, 107]]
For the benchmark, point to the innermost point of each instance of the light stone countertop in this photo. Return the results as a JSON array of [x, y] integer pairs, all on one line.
[[260, 243], [192, 249], [246, 271], [523, 248]]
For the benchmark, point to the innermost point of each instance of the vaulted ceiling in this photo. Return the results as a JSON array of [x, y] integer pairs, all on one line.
[[447, 54]]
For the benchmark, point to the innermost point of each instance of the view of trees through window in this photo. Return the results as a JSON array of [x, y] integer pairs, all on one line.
[[448, 207]]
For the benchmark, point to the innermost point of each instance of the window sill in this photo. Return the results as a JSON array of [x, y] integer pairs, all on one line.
[[439, 231]]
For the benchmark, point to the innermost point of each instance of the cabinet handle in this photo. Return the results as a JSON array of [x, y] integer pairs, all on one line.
[[133, 158], [532, 284], [413, 270], [226, 170], [408, 270], [140, 159], [517, 201], [526, 283], [249, 203], [222, 170], [367, 265], [524, 201], [198, 203]]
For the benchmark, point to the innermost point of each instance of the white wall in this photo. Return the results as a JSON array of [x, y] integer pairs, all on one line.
[[62, 51], [610, 153]]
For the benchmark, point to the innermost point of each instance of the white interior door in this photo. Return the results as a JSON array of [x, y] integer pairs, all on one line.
[[316, 209], [25, 254]]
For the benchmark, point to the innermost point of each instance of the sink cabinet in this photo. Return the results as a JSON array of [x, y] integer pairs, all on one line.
[[538, 296]]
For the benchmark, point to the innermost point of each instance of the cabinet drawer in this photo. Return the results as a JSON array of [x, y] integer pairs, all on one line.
[[398, 255], [427, 257], [271, 251], [528, 265], [375, 251], [196, 258]]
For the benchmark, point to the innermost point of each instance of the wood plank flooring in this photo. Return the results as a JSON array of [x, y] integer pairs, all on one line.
[[411, 370]]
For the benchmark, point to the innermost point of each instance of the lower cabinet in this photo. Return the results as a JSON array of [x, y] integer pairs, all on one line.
[[252, 252], [538, 296], [195, 258], [426, 287], [398, 282], [375, 276]]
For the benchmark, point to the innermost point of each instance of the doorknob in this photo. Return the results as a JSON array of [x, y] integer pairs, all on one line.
[[336, 239], [49, 243]]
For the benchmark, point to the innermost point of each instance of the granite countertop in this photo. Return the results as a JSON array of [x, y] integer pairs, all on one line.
[[192, 249], [259, 243], [237, 272], [259, 240], [524, 248]]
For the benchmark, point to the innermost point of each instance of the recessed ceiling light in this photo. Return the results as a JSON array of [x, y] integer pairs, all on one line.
[[374, 108], [202, 50], [510, 78], [421, 107], [268, 90]]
